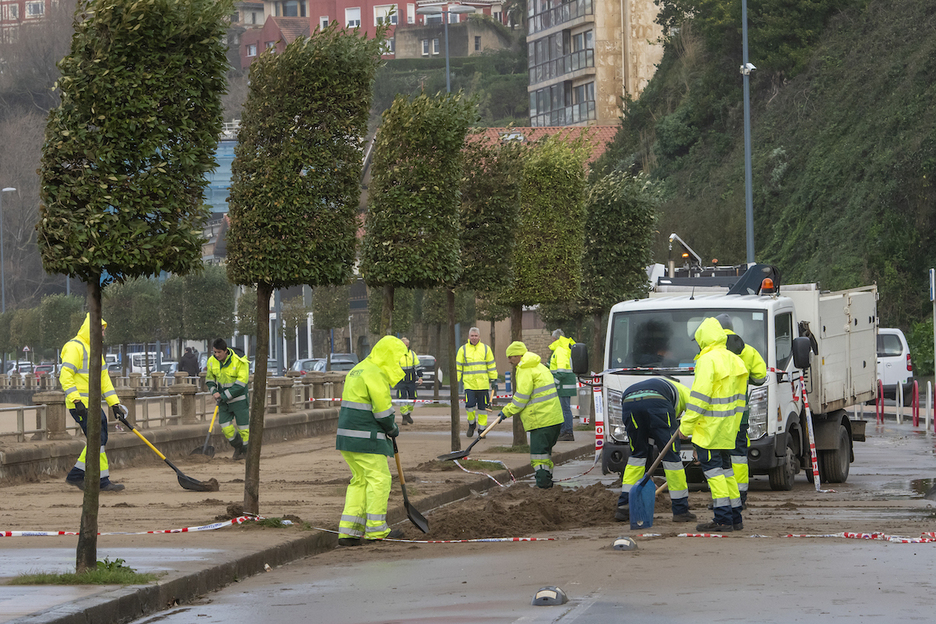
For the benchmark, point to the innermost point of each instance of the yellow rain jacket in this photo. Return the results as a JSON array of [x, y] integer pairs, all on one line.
[[475, 366], [366, 415], [535, 399], [718, 397], [76, 370]]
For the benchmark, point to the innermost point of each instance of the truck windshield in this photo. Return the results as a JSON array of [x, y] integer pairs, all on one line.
[[664, 338]]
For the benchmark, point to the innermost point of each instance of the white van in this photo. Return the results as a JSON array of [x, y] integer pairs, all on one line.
[[893, 363]]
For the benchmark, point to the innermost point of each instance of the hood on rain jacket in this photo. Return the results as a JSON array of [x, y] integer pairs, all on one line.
[[366, 414], [76, 369], [536, 399], [718, 396]]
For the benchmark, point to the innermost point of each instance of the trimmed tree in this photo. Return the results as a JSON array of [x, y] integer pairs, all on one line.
[[547, 256], [295, 182], [626, 205], [124, 160], [411, 229], [488, 219], [331, 308]]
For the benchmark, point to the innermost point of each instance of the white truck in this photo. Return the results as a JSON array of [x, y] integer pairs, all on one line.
[[654, 336]]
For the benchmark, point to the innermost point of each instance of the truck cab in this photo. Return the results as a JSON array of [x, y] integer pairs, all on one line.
[[655, 336]]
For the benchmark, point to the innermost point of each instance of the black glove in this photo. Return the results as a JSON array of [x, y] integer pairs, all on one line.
[[501, 417], [394, 432], [117, 411], [80, 410]]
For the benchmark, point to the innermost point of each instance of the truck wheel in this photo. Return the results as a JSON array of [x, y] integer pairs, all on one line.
[[834, 464], [781, 477]]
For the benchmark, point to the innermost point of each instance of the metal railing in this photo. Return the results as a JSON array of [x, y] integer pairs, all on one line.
[[561, 14]]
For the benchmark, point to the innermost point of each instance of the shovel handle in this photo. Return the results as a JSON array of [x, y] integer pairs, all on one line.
[[213, 416], [659, 458], [140, 435]]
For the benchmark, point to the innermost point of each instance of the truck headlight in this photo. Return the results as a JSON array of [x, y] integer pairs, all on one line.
[[615, 423], [757, 413]]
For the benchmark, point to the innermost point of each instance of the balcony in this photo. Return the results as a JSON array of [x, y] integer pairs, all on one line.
[[562, 66], [559, 15]]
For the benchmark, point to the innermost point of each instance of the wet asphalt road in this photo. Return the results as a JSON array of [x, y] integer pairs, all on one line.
[[665, 580]]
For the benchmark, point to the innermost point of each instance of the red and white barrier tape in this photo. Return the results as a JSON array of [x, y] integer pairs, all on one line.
[[700, 535], [925, 538], [194, 529], [459, 541]]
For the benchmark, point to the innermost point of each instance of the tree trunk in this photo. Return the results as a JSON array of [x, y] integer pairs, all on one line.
[[453, 376], [86, 553], [252, 468], [386, 311], [516, 333]]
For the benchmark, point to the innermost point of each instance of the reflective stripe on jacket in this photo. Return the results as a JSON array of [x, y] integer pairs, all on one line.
[[561, 366], [366, 414], [412, 370], [535, 399], [717, 400], [475, 366], [229, 378], [74, 375]]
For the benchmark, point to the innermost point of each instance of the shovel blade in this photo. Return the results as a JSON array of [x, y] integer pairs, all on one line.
[[641, 500], [204, 450], [455, 455], [418, 520], [198, 486]]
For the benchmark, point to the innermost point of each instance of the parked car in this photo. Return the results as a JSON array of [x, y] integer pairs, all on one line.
[[272, 367], [46, 367], [114, 369], [308, 365], [343, 361], [428, 363], [894, 365], [170, 368]]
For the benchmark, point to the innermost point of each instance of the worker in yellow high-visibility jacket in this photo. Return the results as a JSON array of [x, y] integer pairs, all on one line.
[[476, 370], [74, 378]]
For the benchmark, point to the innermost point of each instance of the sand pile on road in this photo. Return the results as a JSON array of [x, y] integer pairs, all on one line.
[[520, 511]]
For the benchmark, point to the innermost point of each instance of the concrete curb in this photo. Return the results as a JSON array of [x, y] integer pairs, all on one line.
[[126, 604]]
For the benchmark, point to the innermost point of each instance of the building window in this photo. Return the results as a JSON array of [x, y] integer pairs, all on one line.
[[353, 17], [251, 49], [35, 9], [411, 13], [562, 104], [323, 22], [389, 47], [435, 46], [477, 43], [425, 47], [10, 12], [235, 17], [382, 13], [498, 16], [270, 45]]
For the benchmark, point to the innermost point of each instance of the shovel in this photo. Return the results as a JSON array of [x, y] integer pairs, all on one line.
[[206, 449], [464, 454], [642, 498], [411, 512], [186, 482]]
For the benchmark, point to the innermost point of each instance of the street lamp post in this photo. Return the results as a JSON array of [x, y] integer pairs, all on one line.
[[8, 189], [746, 68], [434, 10]]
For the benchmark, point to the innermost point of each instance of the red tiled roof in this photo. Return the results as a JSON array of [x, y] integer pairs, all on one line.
[[292, 27], [598, 136]]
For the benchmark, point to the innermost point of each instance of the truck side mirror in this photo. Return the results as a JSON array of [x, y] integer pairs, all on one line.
[[580, 359], [801, 351]]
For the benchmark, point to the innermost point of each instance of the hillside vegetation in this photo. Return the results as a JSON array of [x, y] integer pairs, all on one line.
[[844, 149]]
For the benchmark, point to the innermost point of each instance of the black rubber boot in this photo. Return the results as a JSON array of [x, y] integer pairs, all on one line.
[[240, 449], [471, 430]]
